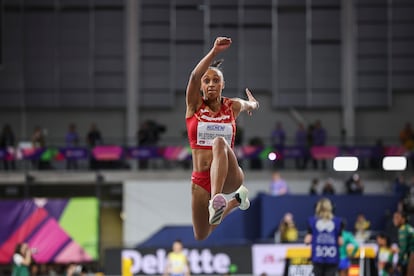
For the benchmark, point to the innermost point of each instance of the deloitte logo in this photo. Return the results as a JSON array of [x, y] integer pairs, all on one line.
[[200, 261]]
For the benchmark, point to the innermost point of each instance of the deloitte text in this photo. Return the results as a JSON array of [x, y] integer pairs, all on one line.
[[201, 261]]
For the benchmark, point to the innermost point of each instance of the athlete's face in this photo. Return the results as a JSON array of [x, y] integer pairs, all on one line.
[[212, 84]]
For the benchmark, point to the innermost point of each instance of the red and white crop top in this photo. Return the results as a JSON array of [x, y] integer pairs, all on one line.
[[204, 126]]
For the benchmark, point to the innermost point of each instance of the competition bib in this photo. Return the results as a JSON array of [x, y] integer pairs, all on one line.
[[207, 131]]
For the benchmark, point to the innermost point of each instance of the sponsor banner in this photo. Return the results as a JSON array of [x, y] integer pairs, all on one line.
[[74, 153], [298, 267], [152, 261], [270, 258], [324, 152], [143, 152], [293, 259], [107, 153]]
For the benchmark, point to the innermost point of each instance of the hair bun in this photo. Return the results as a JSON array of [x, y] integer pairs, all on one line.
[[217, 63]]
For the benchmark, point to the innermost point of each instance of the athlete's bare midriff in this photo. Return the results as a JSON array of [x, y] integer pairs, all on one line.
[[202, 159]]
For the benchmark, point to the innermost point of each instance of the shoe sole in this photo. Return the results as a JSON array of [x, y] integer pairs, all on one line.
[[219, 203]]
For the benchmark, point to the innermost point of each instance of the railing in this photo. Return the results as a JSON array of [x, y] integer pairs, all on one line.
[[114, 153]]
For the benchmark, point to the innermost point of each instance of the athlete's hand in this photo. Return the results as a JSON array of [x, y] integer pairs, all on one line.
[[221, 43], [255, 103]]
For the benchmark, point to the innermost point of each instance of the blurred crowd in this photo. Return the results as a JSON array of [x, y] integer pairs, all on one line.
[[150, 133]]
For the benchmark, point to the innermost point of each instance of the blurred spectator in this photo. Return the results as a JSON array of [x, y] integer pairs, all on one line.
[[301, 143], [278, 137], [405, 243], [177, 263], [93, 138], [407, 137], [8, 142], [255, 161], [74, 270], [278, 185], [39, 142], [328, 188], [72, 137], [148, 136], [407, 203], [287, 231], [343, 138], [72, 140], [400, 187], [349, 243], [378, 153], [354, 185], [38, 138], [362, 226], [22, 260], [324, 231], [385, 255], [149, 133], [239, 138], [319, 139], [313, 190]]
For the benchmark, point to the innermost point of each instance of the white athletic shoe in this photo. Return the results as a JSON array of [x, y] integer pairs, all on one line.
[[216, 208], [241, 196]]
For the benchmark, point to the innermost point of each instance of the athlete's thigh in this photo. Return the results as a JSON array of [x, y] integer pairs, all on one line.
[[235, 175]]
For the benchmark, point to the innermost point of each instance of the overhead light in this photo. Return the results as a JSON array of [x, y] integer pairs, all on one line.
[[345, 163], [394, 163]]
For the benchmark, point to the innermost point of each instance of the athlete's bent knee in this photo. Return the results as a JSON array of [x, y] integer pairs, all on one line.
[[219, 143]]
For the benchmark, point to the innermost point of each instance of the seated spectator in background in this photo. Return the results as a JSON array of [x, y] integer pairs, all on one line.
[[407, 137], [328, 188], [278, 185], [72, 140], [313, 190], [362, 226], [385, 255], [354, 185], [8, 142], [287, 231]]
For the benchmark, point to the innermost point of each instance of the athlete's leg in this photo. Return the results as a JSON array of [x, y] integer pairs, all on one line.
[[226, 175], [200, 201]]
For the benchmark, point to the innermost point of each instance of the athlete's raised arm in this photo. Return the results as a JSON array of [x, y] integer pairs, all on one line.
[[193, 94]]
